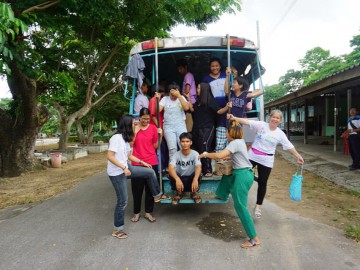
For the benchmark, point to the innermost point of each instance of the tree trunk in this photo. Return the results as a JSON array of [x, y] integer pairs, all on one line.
[[19, 129], [17, 156], [65, 124], [87, 138], [67, 121]]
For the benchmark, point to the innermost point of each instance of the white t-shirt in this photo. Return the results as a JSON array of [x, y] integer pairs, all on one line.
[[141, 101], [266, 141], [173, 110], [121, 149]]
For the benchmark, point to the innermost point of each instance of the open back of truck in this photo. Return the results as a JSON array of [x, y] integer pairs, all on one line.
[[160, 56]]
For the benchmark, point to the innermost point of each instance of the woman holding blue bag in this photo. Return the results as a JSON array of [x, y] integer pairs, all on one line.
[[262, 152]]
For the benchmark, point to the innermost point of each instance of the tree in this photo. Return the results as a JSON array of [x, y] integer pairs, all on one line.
[[353, 58], [76, 50], [292, 80], [274, 91], [21, 121], [313, 60], [328, 67]]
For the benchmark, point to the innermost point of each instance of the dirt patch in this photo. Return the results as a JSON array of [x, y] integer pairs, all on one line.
[[42, 184], [322, 200], [222, 226]]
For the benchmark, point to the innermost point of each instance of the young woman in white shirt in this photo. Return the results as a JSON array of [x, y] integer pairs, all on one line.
[[118, 169], [262, 151]]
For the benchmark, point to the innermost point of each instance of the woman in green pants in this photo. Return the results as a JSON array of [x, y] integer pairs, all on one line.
[[240, 182]]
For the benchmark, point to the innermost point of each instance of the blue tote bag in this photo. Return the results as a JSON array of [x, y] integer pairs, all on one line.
[[296, 185]]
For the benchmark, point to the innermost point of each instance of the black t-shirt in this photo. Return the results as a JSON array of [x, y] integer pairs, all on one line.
[[239, 103], [205, 116]]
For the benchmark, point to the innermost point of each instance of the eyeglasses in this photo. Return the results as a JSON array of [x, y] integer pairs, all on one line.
[[145, 119]]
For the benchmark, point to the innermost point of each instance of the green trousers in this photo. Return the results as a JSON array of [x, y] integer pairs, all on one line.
[[238, 185]]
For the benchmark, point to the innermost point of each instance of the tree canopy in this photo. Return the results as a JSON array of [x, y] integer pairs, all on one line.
[[70, 54], [315, 65]]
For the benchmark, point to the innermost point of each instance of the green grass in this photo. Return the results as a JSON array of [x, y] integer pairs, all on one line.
[[3, 181], [353, 232], [353, 192]]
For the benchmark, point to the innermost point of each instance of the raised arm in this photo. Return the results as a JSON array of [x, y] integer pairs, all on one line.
[[182, 100], [227, 81], [224, 109], [255, 93], [242, 121]]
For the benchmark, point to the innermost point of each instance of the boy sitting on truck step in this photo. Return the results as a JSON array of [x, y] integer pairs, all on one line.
[[185, 170]]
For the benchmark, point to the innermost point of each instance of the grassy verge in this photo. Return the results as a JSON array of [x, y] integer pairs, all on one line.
[[353, 232]]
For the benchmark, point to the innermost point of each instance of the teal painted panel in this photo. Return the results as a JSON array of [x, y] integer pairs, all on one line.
[[207, 190], [190, 201]]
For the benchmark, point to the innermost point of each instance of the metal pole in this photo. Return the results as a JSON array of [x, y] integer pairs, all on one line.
[[157, 109], [261, 98], [156, 65], [228, 60]]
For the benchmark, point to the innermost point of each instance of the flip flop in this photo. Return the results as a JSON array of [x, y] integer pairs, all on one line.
[[150, 218], [161, 197], [208, 175], [197, 199], [135, 218], [176, 199], [249, 244], [119, 234]]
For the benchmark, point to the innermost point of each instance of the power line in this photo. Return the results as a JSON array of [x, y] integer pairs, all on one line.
[[292, 4]]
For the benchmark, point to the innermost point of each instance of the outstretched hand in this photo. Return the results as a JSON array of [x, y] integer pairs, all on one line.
[[230, 116]]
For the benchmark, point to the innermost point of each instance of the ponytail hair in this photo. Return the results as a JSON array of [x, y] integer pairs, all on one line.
[[235, 130]]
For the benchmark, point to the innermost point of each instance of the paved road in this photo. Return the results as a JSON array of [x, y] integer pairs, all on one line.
[[72, 231]]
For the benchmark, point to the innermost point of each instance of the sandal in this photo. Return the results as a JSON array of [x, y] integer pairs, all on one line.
[[119, 234], [176, 199], [135, 218], [249, 244], [149, 218], [197, 199], [257, 212], [208, 175], [162, 197]]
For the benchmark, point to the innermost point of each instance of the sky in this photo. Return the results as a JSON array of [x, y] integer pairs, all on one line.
[[287, 30]]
